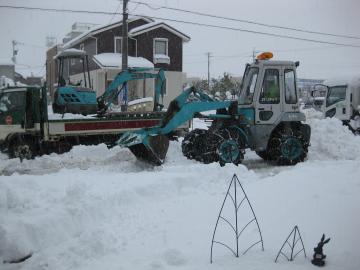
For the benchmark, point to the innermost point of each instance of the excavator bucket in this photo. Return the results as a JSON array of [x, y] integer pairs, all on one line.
[[146, 147]]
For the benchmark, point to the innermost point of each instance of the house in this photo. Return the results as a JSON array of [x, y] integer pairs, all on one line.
[[12, 74], [7, 70], [150, 44]]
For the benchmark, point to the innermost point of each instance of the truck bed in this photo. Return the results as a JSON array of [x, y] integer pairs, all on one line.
[[112, 123]]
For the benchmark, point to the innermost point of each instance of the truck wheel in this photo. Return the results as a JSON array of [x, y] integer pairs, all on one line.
[[287, 147], [23, 149]]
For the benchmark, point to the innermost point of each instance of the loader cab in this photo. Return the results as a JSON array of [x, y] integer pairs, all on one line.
[[74, 94], [268, 90]]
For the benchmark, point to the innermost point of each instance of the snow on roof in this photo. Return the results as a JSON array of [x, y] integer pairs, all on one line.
[[7, 82], [113, 60], [154, 25], [100, 28]]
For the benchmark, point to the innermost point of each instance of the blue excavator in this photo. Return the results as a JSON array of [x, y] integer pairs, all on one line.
[[266, 118], [80, 98]]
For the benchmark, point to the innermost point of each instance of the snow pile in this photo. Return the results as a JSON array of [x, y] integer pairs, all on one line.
[[95, 208], [311, 113], [331, 140], [163, 218]]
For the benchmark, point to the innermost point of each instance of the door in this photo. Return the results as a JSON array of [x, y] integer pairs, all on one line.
[[268, 107], [337, 103], [12, 111]]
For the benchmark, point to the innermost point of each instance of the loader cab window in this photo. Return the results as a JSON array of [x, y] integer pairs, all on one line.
[[248, 88], [290, 87], [270, 90], [12, 101], [335, 95]]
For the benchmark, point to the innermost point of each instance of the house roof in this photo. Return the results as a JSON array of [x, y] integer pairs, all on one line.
[[98, 29], [154, 25], [113, 60]]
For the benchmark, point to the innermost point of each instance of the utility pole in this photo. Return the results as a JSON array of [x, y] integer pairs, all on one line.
[[15, 51], [208, 59], [124, 49]]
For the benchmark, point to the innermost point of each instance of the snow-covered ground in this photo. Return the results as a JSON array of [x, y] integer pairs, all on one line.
[[94, 208]]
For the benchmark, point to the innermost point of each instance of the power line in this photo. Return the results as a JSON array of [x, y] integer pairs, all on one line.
[[60, 10], [247, 21], [187, 22], [252, 31]]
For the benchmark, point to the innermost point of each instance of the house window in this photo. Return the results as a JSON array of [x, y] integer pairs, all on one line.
[[117, 44], [82, 47], [161, 46], [161, 51]]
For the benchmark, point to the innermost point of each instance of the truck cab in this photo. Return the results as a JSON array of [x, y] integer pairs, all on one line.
[[343, 100]]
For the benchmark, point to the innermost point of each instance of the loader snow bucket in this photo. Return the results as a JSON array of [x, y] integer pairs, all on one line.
[[149, 148]]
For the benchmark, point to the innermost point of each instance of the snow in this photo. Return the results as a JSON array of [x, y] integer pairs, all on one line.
[[113, 60], [143, 27], [7, 82], [140, 100], [161, 58], [67, 116], [95, 208], [72, 52]]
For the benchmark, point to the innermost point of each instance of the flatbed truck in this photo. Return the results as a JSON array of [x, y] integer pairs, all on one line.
[[26, 130]]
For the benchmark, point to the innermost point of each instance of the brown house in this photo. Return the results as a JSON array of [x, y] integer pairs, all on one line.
[[150, 43]]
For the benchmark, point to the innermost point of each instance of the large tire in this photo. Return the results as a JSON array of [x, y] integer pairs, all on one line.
[[23, 148], [287, 146], [200, 144], [189, 144], [231, 146]]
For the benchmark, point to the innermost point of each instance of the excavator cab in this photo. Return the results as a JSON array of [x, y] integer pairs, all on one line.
[[74, 95]]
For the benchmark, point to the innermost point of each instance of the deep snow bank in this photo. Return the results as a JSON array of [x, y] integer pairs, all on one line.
[[331, 140]]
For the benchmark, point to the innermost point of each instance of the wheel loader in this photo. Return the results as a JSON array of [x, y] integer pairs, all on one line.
[[265, 118]]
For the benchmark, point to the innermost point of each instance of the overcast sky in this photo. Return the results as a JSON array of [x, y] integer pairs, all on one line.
[[230, 49]]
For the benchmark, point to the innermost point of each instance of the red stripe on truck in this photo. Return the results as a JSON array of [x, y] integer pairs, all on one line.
[[111, 125]]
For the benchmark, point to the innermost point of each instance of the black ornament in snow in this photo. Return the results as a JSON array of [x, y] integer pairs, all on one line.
[[319, 257]]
